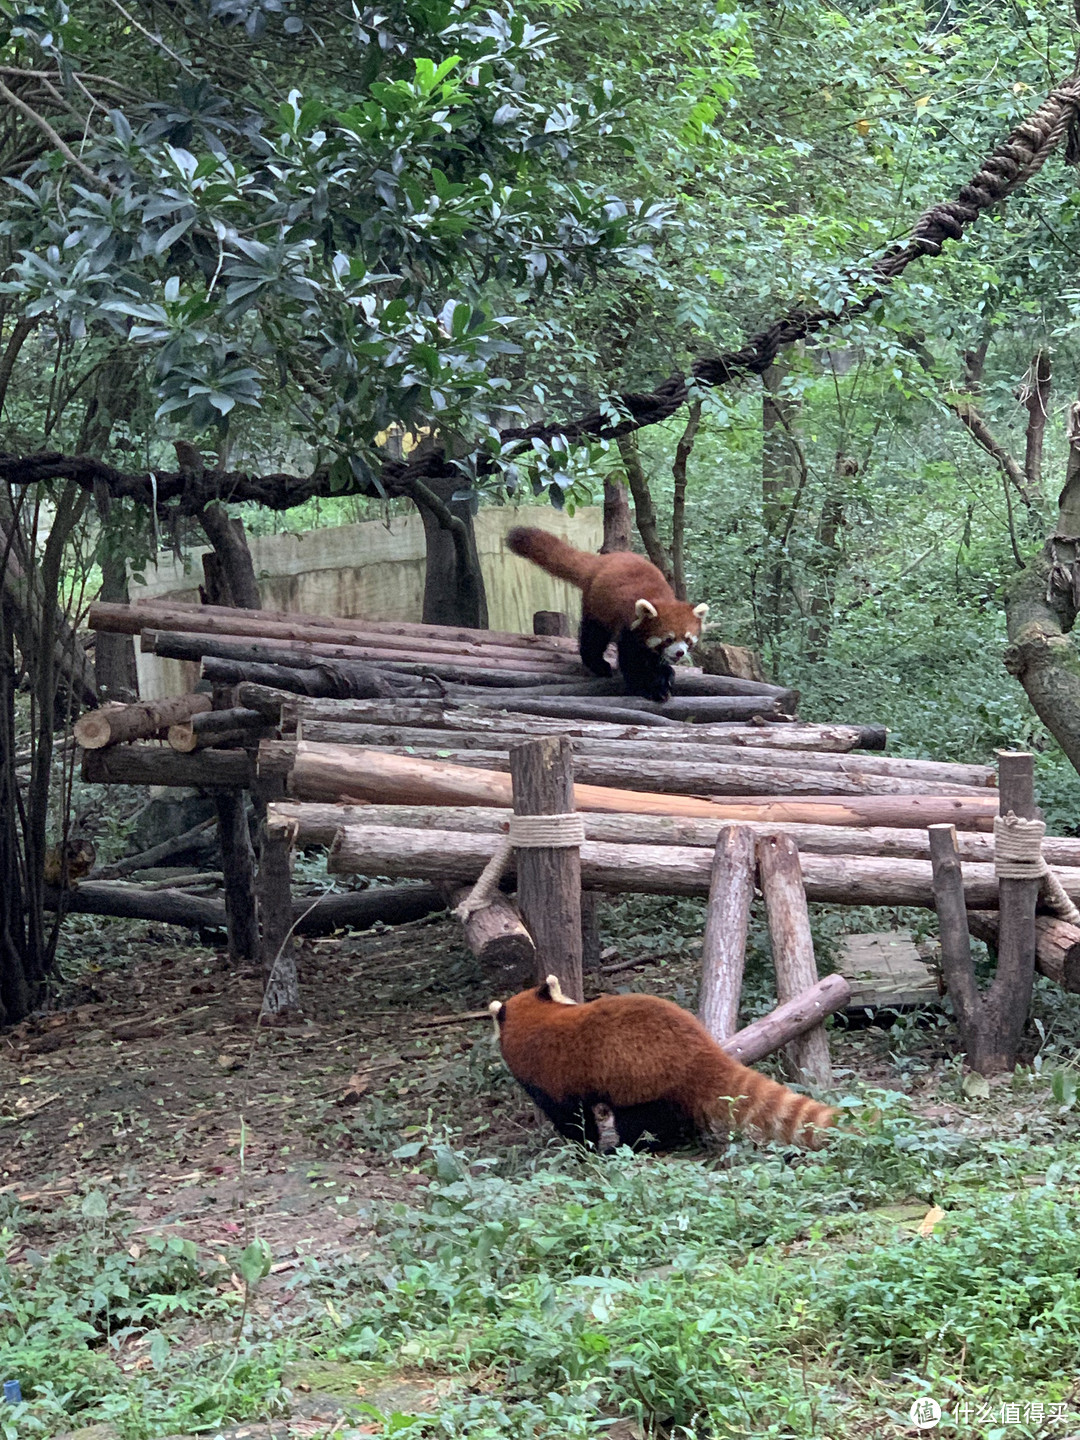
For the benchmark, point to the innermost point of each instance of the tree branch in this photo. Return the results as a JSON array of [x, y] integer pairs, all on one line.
[[644, 509], [53, 137], [678, 503]]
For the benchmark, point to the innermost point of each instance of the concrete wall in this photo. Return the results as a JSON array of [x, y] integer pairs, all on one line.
[[376, 570]]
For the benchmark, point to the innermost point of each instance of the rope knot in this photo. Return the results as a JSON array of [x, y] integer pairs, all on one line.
[[1018, 856], [527, 832]]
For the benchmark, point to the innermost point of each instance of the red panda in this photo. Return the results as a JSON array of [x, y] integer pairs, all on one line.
[[623, 597], [649, 1062]]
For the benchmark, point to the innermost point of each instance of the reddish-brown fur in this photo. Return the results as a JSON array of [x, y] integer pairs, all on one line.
[[611, 585], [639, 1050]]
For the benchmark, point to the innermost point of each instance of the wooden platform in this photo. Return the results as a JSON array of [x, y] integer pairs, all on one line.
[[886, 971]]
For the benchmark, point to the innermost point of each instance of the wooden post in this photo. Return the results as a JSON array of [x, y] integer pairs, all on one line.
[[551, 622], [277, 951], [549, 879], [956, 964], [237, 859], [793, 949], [496, 934], [590, 931], [1010, 993], [723, 951]]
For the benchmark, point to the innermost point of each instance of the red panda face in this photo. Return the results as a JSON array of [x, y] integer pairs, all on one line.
[[671, 631]]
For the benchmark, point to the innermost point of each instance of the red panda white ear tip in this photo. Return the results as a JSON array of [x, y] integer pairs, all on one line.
[[556, 991], [701, 611], [493, 1011], [642, 609]]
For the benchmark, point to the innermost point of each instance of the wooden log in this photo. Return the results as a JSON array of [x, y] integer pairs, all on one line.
[[361, 682], [467, 716], [319, 823], [528, 699], [266, 699], [787, 1022], [688, 681], [551, 622], [1009, 998], [549, 878], [951, 904], [361, 909], [716, 658], [115, 724], [132, 902], [277, 951], [685, 775], [497, 935], [198, 837], [222, 619], [364, 849], [338, 772], [497, 732], [216, 726], [590, 932], [723, 950], [1057, 945], [298, 654], [565, 708], [150, 764], [238, 865], [793, 950]]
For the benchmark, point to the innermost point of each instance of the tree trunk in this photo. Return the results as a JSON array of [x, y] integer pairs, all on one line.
[[617, 521], [454, 592], [644, 510], [678, 504], [115, 671], [1040, 609], [235, 583], [1036, 397]]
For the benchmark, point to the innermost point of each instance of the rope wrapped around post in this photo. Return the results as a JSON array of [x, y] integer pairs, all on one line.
[[527, 832], [1018, 856]]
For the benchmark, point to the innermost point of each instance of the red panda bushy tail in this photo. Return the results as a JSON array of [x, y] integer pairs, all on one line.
[[765, 1110], [552, 554]]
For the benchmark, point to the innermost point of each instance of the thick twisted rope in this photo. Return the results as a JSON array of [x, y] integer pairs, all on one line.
[[1018, 856], [527, 832]]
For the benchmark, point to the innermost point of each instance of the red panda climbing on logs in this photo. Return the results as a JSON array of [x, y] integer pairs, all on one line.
[[637, 1066], [623, 597]]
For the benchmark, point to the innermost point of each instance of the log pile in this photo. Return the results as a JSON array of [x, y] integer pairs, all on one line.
[[394, 745]]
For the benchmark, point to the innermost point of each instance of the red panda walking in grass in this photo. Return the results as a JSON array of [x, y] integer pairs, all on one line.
[[623, 597], [648, 1062]]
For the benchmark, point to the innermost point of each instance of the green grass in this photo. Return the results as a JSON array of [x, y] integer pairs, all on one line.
[[750, 1295]]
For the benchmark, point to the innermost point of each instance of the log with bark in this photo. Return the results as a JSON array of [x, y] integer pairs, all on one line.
[[318, 823], [116, 724], [637, 765], [337, 772], [784, 891], [1057, 945], [497, 935], [216, 726], [464, 716], [223, 619], [332, 680], [677, 777], [322, 915], [789, 1021], [379, 850], [723, 946], [149, 764], [494, 673]]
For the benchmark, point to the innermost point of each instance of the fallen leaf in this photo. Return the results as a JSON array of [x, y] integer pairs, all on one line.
[[932, 1218], [230, 1062], [976, 1086], [356, 1087]]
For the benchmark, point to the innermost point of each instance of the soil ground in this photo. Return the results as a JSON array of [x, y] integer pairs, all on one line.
[[151, 1083]]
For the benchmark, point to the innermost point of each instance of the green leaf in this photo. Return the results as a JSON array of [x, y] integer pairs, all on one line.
[[95, 1206], [976, 1086], [255, 1262]]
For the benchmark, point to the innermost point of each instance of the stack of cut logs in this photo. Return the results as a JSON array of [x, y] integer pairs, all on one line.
[[393, 744]]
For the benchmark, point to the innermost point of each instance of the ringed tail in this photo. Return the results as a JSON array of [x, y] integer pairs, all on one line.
[[764, 1109], [552, 554]]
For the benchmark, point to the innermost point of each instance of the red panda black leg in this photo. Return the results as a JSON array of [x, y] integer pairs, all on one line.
[[644, 672], [593, 640]]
